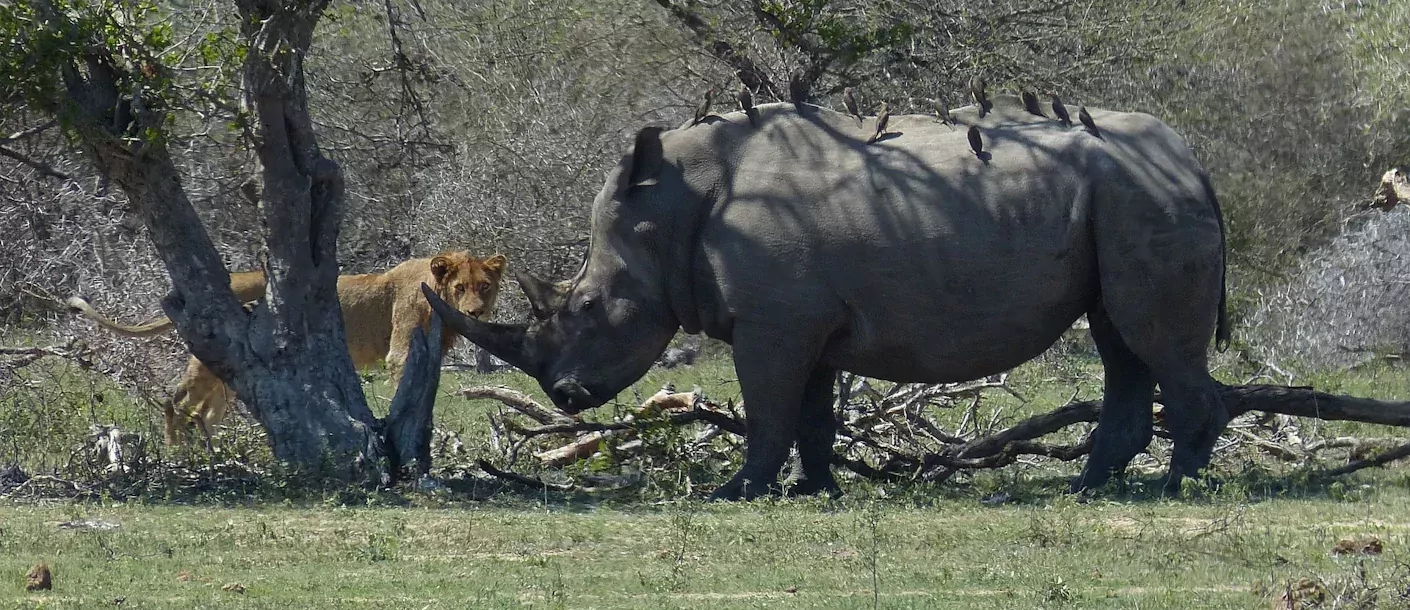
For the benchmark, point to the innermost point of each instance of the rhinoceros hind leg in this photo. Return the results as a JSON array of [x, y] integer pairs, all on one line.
[[773, 366], [1196, 416], [1124, 428]]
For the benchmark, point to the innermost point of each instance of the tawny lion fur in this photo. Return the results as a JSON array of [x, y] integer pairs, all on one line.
[[379, 312]]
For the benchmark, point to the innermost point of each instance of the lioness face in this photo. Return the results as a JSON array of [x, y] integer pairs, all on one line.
[[468, 283]]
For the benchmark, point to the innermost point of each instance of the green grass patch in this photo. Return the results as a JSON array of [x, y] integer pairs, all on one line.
[[953, 553]]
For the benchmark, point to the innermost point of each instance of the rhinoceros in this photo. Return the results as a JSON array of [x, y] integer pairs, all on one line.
[[910, 259]]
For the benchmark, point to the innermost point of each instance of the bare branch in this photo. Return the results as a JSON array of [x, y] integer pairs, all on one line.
[[520, 402], [1381, 459], [39, 166], [515, 477], [32, 131], [744, 67]]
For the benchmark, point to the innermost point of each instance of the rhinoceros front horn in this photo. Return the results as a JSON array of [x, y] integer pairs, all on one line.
[[506, 341]]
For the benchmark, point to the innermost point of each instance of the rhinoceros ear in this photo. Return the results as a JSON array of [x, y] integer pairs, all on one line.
[[544, 297], [647, 156]]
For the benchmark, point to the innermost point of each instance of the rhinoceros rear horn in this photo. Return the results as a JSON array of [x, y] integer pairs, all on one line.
[[544, 297], [506, 341], [647, 156]]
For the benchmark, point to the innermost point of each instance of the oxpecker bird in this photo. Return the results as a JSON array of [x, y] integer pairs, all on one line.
[[942, 112], [975, 141], [1087, 121], [976, 90], [882, 116], [797, 91], [1061, 111], [704, 109], [746, 103], [1030, 103], [849, 101]]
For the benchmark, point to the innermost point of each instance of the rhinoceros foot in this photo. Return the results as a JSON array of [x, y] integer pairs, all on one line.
[[813, 487]]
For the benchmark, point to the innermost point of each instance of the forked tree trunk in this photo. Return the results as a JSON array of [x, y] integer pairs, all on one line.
[[297, 376], [286, 358]]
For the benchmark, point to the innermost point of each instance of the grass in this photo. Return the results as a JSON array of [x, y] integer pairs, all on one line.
[[878, 547], [894, 553]]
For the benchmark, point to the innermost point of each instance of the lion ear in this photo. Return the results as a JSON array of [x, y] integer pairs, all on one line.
[[495, 264], [440, 266]]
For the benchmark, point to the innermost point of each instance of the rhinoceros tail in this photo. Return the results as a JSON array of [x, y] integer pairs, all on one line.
[[1222, 335]]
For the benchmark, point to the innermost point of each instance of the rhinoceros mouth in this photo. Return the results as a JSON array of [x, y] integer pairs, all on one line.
[[571, 397]]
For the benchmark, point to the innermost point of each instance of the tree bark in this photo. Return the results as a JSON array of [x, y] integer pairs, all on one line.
[[287, 357], [408, 426]]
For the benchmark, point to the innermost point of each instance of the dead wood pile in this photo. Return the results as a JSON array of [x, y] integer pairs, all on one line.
[[895, 435]]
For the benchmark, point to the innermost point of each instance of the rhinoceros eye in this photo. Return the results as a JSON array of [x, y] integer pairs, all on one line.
[[586, 306]]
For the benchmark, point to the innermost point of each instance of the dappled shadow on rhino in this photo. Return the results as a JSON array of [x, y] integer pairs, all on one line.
[[909, 259]]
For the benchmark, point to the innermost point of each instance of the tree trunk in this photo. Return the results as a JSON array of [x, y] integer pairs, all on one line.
[[286, 358], [298, 380], [408, 426]]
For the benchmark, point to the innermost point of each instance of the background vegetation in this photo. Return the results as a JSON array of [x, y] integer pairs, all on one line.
[[489, 125]]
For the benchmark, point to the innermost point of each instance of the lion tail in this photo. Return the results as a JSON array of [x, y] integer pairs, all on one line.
[[145, 329]]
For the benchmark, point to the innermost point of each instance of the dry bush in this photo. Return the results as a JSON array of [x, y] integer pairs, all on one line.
[[1345, 302]]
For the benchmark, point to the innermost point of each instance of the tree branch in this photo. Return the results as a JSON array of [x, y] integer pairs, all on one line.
[[32, 131], [705, 35], [38, 166]]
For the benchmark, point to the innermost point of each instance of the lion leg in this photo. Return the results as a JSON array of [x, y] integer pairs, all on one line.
[[175, 429], [200, 401], [213, 406], [403, 324], [176, 411]]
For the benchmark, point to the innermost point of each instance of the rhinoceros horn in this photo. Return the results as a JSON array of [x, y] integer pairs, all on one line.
[[508, 342], [544, 297]]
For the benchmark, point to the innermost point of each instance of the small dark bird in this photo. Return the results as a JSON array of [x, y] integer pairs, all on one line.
[[1087, 121], [39, 578], [704, 109], [942, 112], [976, 90], [1061, 111], [849, 101], [882, 117], [1030, 103], [975, 141], [746, 103], [797, 90]]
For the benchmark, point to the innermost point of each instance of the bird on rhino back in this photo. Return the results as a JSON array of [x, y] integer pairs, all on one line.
[[911, 259]]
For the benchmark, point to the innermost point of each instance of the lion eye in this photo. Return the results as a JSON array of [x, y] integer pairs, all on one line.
[[460, 289], [483, 287]]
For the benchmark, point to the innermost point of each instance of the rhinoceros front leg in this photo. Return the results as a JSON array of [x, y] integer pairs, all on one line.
[[816, 433], [773, 367]]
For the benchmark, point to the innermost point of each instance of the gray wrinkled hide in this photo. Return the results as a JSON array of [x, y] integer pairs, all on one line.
[[911, 259]]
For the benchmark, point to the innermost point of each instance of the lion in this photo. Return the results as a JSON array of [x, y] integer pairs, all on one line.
[[379, 312]]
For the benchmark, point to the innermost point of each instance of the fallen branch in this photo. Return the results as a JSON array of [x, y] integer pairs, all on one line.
[[520, 479], [725, 422], [1031, 428], [1307, 402], [890, 437], [1382, 459], [520, 402], [581, 448]]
